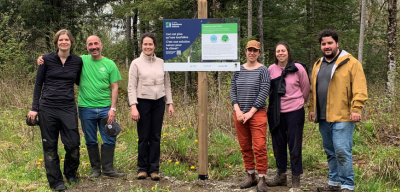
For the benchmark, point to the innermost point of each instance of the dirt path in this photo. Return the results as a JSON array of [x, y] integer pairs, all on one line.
[[130, 183]]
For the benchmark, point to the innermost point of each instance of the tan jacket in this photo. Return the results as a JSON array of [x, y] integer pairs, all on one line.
[[347, 91], [147, 80]]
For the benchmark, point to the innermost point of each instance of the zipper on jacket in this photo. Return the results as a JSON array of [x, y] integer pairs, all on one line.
[[348, 102]]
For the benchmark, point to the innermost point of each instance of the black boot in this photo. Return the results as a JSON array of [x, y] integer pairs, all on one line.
[[107, 162], [94, 156]]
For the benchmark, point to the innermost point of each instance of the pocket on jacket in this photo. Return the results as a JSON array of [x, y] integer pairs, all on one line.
[[160, 81], [147, 82], [146, 87]]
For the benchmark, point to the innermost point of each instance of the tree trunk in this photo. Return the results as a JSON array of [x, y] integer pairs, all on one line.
[[249, 18], [260, 28], [362, 29], [128, 35], [135, 36], [391, 57], [311, 56]]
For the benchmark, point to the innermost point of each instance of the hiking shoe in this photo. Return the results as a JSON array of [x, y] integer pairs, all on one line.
[[155, 176], [279, 180], [347, 190], [61, 187], [328, 188], [250, 181], [72, 180], [295, 181], [142, 175]]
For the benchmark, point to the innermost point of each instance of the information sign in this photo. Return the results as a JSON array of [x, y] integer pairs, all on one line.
[[201, 45]]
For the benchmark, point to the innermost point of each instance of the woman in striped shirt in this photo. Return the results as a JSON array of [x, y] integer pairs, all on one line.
[[249, 90]]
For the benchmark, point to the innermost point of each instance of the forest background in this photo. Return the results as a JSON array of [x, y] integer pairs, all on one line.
[[27, 27]]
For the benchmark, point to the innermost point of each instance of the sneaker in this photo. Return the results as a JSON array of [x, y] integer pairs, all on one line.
[[142, 175], [61, 187], [328, 188]]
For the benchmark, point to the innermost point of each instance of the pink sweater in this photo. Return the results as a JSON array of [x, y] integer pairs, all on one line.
[[297, 87]]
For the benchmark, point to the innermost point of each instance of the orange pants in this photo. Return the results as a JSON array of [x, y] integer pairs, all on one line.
[[253, 132]]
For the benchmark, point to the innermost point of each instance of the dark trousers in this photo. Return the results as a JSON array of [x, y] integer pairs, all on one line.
[[64, 122], [289, 133], [149, 131]]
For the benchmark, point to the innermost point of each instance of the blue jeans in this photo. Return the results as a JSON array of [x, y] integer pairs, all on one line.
[[90, 120], [337, 139]]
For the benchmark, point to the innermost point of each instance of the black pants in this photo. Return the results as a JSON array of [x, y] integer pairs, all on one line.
[[289, 132], [149, 131], [63, 121]]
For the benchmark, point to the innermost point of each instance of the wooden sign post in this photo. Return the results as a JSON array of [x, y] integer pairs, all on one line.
[[203, 103]]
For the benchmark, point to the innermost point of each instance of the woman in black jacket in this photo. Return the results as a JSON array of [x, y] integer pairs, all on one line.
[[54, 103]]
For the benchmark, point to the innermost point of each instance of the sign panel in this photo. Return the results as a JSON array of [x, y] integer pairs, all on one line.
[[201, 45]]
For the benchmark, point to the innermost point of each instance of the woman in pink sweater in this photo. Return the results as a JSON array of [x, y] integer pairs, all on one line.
[[290, 87], [149, 89]]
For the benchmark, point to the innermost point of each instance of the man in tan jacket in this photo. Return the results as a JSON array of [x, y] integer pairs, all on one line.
[[338, 94]]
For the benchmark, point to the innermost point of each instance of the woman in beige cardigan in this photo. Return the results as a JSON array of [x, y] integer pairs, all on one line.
[[149, 89]]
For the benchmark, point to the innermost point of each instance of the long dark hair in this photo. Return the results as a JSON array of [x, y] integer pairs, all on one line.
[[290, 58]]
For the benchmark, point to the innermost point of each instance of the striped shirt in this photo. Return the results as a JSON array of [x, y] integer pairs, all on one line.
[[250, 88]]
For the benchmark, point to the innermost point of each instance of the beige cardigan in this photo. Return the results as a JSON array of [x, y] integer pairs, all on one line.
[[147, 80]]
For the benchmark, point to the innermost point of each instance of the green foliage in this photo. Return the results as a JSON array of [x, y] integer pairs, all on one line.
[[12, 43]]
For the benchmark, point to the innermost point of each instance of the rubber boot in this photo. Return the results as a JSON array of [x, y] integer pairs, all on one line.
[[107, 162], [279, 180], [94, 157], [261, 187], [250, 181]]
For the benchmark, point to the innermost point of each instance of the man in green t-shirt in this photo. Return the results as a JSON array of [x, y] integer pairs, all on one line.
[[99, 80]]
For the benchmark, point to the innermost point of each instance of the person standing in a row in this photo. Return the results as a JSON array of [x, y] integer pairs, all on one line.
[[338, 94], [54, 102], [290, 88], [149, 89], [249, 90]]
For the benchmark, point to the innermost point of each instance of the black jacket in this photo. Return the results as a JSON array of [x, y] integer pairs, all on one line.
[[54, 85]]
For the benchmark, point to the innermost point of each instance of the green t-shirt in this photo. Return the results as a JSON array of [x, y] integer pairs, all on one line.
[[96, 77]]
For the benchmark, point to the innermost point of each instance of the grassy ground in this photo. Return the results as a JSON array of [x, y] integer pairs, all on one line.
[[376, 163]]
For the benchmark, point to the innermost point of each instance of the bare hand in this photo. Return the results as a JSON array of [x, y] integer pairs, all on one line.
[[170, 110], [135, 114], [355, 117], [247, 116], [239, 116], [32, 116], [111, 116], [40, 60], [311, 116]]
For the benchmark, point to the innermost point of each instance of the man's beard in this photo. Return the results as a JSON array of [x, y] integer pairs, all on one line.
[[332, 55]]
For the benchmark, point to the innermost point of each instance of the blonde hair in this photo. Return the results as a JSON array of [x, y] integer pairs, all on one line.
[[63, 32]]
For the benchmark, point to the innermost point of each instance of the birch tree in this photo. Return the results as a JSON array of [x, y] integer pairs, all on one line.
[[391, 41], [249, 18], [260, 28], [362, 29]]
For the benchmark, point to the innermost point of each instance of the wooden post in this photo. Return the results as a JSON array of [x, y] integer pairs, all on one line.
[[203, 103]]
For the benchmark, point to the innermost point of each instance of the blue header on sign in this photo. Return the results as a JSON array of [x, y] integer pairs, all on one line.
[[179, 34]]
